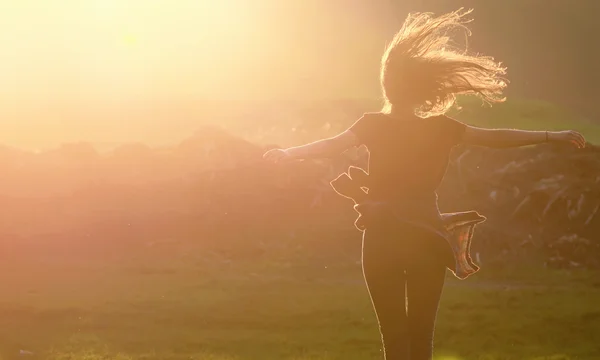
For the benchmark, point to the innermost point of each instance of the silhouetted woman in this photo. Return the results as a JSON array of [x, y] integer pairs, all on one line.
[[407, 243]]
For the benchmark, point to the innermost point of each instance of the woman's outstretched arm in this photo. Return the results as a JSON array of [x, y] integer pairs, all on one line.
[[319, 149], [506, 138]]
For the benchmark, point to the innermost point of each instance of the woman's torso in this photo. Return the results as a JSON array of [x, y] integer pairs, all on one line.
[[408, 160], [408, 156]]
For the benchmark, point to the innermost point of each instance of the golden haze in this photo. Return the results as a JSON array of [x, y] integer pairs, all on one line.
[[115, 70]]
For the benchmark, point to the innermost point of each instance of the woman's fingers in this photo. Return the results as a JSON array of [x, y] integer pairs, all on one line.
[[275, 155], [577, 139], [271, 154], [582, 140], [572, 137], [268, 155]]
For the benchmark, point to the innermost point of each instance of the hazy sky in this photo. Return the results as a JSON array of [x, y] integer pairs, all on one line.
[[115, 47], [73, 69]]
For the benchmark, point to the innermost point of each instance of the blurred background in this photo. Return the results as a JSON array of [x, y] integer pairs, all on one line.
[[138, 220], [113, 71]]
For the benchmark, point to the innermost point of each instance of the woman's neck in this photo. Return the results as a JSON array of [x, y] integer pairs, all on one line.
[[403, 113], [400, 111]]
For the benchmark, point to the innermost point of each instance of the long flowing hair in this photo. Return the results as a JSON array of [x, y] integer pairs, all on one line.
[[422, 71]]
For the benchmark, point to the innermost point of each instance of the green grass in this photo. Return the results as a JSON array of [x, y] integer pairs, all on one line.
[[189, 308], [181, 310]]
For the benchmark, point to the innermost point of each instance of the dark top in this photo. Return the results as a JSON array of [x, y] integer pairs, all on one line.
[[408, 156], [408, 160]]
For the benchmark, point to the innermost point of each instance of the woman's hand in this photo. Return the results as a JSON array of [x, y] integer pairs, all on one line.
[[277, 155], [568, 137], [324, 148]]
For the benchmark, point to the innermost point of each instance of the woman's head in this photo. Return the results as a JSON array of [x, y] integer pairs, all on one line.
[[422, 71]]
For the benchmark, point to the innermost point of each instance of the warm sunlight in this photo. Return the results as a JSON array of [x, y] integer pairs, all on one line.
[[290, 179], [68, 66], [112, 46], [77, 69]]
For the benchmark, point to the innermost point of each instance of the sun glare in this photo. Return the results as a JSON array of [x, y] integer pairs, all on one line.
[[89, 64], [62, 57], [103, 42]]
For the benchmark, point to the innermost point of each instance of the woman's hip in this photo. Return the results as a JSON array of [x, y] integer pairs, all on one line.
[[405, 245]]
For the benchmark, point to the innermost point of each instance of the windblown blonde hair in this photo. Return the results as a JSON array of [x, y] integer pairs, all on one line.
[[422, 71]]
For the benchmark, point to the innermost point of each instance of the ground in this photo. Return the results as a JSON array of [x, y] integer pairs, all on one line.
[[192, 309]]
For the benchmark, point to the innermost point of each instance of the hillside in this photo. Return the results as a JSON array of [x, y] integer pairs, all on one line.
[[213, 190]]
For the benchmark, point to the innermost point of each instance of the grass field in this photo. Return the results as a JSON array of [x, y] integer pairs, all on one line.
[[59, 307], [181, 309]]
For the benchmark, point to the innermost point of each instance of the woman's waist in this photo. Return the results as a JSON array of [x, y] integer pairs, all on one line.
[[414, 206], [410, 199]]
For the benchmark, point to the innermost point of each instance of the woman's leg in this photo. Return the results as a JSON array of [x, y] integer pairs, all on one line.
[[386, 280], [425, 280]]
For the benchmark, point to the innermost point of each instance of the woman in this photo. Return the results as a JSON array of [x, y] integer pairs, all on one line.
[[405, 241]]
